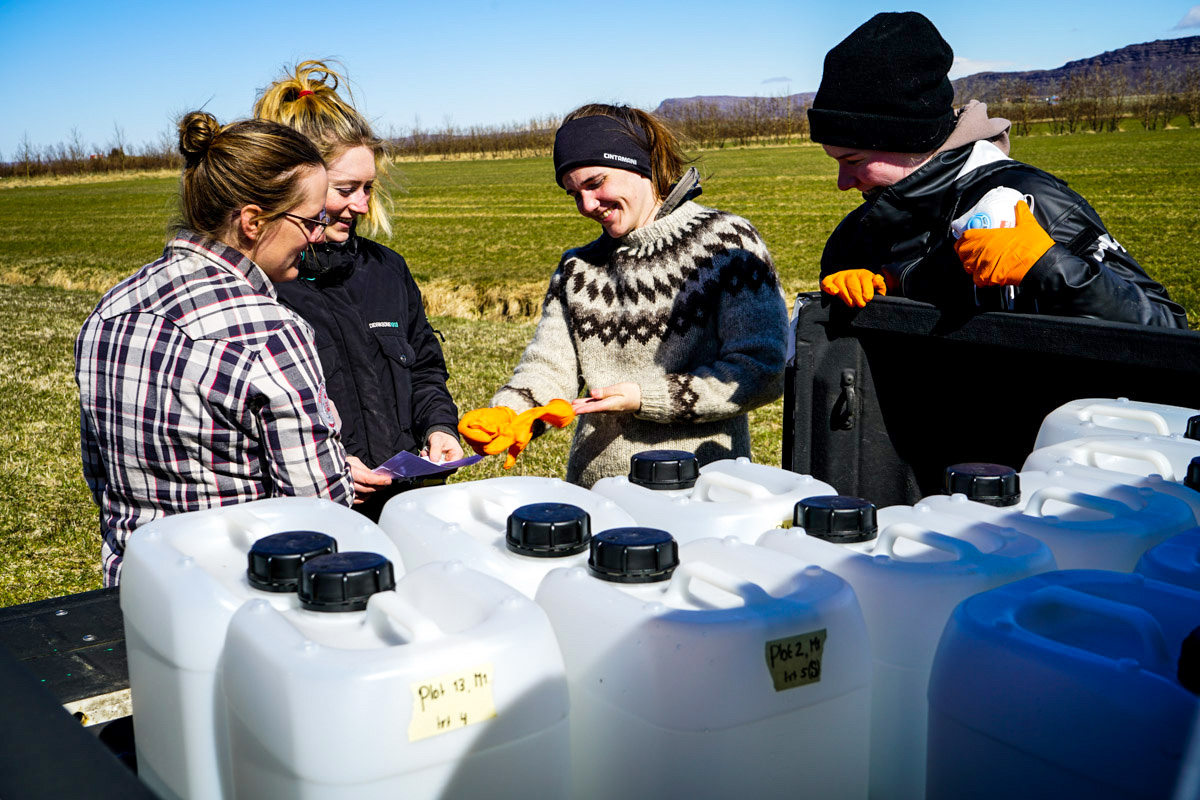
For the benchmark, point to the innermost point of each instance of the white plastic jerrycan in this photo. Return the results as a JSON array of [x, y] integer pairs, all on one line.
[[450, 685], [1078, 683], [1088, 521], [666, 489], [1165, 464], [1119, 416], [513, 528], [183, 578], [1176, 561], [909, 569], [738, 669]]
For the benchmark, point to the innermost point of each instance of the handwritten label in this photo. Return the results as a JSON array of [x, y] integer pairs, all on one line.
[[796, 660], [451, 701]]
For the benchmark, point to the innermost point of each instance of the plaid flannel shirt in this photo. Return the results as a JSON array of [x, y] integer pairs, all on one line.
[[197, 388]]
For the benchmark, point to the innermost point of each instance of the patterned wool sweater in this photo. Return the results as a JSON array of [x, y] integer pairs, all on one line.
[[688, 307]]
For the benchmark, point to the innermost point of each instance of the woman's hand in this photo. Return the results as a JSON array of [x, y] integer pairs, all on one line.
[[365, 481], [442, 447], [625, 396]]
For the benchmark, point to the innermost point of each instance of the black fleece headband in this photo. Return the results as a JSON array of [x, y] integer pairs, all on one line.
[[598, 141]]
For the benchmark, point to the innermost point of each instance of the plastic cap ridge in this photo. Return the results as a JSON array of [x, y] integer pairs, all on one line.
[[344, 581], [991, 484], [664, 469], [837, 518], [633, 555], [274, 562], [548, 530]]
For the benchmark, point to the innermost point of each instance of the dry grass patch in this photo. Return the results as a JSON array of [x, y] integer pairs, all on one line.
[[445, 298]]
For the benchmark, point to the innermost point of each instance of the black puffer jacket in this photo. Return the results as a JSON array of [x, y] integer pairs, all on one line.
[[904, 233], [383, 365]]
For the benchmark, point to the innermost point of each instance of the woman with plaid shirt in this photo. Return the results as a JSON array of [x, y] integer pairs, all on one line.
[[197, 388]]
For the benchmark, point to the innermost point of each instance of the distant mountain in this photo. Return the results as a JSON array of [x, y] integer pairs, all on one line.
[[673, 107], [1132, 61]]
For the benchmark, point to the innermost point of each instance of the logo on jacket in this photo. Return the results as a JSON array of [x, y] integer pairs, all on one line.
[[383, 325], [1106, 242]]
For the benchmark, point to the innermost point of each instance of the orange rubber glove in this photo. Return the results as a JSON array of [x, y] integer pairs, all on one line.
[[1002, 256], [482, 429], [557, 413], [491, 431], [854, 287]]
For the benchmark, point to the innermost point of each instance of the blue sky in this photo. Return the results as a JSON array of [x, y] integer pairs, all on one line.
[[93, 67]]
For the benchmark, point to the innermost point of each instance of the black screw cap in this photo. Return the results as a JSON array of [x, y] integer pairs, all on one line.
[[991, 484], [274, 562], [344, 581], [837, 518], [664, 469], [548, 530], [633, 555], [1189, 662], [1192, 479], [1193, 428]]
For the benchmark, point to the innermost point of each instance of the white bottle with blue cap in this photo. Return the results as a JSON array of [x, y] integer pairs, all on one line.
[[996, 209]]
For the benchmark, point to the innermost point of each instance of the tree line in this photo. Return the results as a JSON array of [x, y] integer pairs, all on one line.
[[1098, 100]]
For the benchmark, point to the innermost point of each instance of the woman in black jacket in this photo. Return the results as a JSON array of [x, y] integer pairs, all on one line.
[[382, 360], [884, 112]]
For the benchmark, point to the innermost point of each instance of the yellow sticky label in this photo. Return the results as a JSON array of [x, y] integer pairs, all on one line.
[[451, 701], [796, 660]]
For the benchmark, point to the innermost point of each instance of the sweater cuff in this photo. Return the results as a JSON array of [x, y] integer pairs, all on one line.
[[656, 402]]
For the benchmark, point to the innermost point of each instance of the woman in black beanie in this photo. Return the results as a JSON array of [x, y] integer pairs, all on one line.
[[885, 112]]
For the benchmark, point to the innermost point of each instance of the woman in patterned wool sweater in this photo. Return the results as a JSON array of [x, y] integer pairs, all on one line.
[[673, 319]]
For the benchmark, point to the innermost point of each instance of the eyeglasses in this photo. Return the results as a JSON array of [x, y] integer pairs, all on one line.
[[309, 223]]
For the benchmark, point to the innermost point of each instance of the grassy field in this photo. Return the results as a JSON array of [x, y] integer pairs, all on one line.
[[482, 239]]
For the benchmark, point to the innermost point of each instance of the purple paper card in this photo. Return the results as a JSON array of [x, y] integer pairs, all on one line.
[[405, 465]]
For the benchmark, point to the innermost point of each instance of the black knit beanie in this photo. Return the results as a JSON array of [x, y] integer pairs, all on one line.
[[886, 87]]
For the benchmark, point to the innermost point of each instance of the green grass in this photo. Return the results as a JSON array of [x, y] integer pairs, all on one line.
[[498, 227], [47, 519], [489, 226]]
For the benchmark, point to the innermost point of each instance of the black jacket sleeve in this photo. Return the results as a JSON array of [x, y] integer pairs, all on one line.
[[432, 405], [1087, 273]]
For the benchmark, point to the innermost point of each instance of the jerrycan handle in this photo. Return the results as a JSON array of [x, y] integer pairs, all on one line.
[[1161, 463], [714, 479], [961, 549], [680, 588], [247, 524], [488, 510], [389, 611], [1124, 412], [1155, 652], [1038, 500]]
